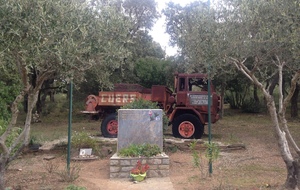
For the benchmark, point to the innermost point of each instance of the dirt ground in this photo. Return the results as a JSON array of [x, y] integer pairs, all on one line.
[[258, 166]]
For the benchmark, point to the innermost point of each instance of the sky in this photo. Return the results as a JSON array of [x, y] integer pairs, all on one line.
[[158, 31]]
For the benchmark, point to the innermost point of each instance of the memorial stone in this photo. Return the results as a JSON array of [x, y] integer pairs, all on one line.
[[140, 126]]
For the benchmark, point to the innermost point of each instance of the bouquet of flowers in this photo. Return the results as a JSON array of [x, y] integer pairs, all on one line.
[[140, 168]]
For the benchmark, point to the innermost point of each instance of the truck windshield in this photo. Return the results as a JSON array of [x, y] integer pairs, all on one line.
[[197, 85]]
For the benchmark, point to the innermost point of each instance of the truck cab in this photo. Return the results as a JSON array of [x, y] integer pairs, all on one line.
[[190, 113]]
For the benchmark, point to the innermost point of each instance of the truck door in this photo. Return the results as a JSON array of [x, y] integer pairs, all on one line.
[[181, 92]]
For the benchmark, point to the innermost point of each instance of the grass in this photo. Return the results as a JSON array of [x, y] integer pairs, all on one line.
[[237, 127], [45, 131], [55, 124], [252, 174], [234, 128], [260, 168], [54, 120]]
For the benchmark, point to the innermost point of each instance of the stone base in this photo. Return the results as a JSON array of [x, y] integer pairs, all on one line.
[[83, 158], [120, 166]]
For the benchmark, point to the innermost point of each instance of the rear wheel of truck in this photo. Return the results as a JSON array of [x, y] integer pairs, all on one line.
[[109, 126], [187, 126]]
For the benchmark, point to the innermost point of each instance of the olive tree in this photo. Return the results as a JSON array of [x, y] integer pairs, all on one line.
[[194, 29], [140, 15], [53, 38], [261, 40], [268, 35]]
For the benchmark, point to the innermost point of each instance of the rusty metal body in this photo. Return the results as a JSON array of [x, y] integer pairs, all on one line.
[[186, 108]]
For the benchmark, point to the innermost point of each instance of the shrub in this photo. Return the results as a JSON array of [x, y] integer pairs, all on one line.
[[212, 151], [135, 150], [251, 106], [50, 166], [141, 104], [71, 175], [9, 89], [198, 158], [14, 133], [83, 140], [211, 154]]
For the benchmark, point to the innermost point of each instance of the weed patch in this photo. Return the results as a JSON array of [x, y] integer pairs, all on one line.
[[69, 175], [50, 166]]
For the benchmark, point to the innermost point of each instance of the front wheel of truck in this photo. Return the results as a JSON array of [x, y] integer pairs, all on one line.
[[187, 126], [109, 126]]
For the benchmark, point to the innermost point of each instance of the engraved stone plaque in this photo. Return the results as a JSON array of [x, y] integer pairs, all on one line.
[[140, 126]]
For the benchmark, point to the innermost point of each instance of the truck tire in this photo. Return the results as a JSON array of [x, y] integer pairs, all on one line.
[[109, 126], [187, 126]]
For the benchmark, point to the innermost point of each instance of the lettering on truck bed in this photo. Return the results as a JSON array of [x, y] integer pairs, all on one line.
[[117, 98]]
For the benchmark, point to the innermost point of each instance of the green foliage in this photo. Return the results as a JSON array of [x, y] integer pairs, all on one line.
[[172, 148], [5, 114], [143, 13], [135, 150], [12, 137], [69, 175], [261, 34], [140, 104], [48, 108], [58, 39], [9, 89], [145, 47], [153, 71], [13, 134], [211, 154], [238, 89], [3, 126], [212, 151], [251, 106], [197, 41], [74, 187], [196, 157], [83, 140]]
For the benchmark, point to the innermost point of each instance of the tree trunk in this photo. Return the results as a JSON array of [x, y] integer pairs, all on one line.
[[293, 180], [255, 94], [51, 94], [223, 86], [46, 90], [284, 138], [273, 84], [294, 102], [25, 103], [39, 107], [32, 100], [2, 173]]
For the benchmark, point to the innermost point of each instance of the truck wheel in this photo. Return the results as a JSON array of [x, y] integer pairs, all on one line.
[[109, 126], [187, 126]]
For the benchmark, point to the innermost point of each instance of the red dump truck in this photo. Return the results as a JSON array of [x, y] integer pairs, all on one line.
[[186, 107]]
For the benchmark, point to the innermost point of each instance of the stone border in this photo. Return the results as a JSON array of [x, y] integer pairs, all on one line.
[[120, 166]]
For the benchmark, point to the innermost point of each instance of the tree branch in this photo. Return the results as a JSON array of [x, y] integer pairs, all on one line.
[[286, 101], [3, 147], [241, 67]]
